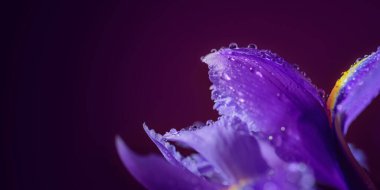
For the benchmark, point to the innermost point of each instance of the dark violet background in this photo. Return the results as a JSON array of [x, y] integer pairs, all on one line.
[[78, 73]]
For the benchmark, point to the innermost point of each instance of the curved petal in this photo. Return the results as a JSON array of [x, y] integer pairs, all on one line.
[[349, 97], [167, 150], [277, 102], [228, 146], [194, 163], [355, 89], [155, 173]]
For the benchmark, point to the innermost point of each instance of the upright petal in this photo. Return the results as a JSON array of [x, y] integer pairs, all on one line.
[[355, 89], [279, 104], [155, 173], [349, 97]]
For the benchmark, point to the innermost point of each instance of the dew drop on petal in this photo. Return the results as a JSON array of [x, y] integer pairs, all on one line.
[[295, 66], [259, 74], [226, 76], [282, 128], [213, 50], [253, 46], [173, 131], [233, 45], [321, 93]]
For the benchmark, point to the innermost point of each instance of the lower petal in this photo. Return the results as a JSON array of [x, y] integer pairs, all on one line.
[[155, 173], [228, 146]]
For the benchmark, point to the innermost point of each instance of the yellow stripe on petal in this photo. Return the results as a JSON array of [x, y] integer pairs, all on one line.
[[242, 184], [341, 83]]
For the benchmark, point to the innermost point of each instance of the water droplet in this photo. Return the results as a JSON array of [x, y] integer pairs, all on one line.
[[202, 58], [233, 46], [322, 93], [226, 76], [270, 137], [209, 122], [241, 100], [251, 69], [259, 74], [213, 50], [173, 131], [296, 66], [282, 128], [253, 46]]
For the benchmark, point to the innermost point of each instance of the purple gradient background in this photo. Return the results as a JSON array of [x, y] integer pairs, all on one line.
[[79, 73]]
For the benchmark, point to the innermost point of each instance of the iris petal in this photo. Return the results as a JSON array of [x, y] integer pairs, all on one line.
[[355, 90], [155, 173], [228, 146], [350, 96], [244, 161], [194, 163], [277, 102], [273, 131]]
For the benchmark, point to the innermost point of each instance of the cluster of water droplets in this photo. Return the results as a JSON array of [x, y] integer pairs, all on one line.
[[195, 163], [158, 138], [226, 103], [276, 138], [234, 45]]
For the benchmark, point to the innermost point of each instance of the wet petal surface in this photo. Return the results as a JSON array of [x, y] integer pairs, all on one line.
[[279, 104], [228, 146], [236, 158]]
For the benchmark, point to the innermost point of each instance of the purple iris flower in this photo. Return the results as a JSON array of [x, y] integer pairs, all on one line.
[[275, 129]]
